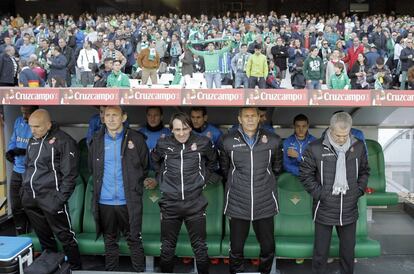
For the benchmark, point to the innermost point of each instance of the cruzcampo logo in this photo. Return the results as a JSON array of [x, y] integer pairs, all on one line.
[[295, 199]]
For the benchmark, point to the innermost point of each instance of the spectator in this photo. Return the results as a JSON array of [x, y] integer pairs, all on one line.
[[211, 62], [379, 76], [352, 53], [280, 55], [187, 68], [257, 69], [101, 76], [7, 42], [57, 64], [8, 67], [339, 80], [87, 62], [117, 78], [296, 52], [149, 60], [68, 53], [239, 64], [372, 55], [198, 65], [313, 69], [297, 77], [379, 40], [174, 50], [330, 70], [28, 78], [407, 61], [325, 52], [410, 78], [111, 52], [26, 49], [358, 73], [273, 77]]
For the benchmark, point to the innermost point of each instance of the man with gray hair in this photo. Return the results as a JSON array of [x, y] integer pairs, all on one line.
[[335, 172]]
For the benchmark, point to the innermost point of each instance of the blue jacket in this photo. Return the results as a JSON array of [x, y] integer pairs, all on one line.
[[28, 78], [58, 67], [153, 136], [290, 164], [112, 191], [19, 139], [209, 131]]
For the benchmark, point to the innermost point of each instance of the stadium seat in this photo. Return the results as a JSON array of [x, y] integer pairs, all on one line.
[[377, 180], [76, 203]]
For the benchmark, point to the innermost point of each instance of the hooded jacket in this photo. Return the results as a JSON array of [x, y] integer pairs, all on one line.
[[317, 174]]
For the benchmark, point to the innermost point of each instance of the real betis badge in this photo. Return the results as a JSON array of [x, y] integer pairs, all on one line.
[[130, 144], [194, 147], [264, 139], [51, 141]]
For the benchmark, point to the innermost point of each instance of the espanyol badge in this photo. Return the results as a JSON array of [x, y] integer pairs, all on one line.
[[264, 139], [194, 147], [209, 135], [130, 144], [352, 149], [51, 141], [162, 135]]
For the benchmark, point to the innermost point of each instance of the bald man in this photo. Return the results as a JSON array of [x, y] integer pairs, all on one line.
[[48, 182]]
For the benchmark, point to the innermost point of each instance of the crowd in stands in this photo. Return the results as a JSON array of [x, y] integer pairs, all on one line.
[[242, 50]]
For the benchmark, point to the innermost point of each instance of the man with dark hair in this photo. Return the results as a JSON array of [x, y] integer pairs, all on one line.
[[28, 78], [48, 182], [295, 144], [105, 70], [70, 58], [379, 76], [257, 68], [251, 161], [238, 64], [313, 69], [117, 78], [335, 172], [149, 61], [199, 119], [183, 162], [57, 64], [118, 157], [16, 154]]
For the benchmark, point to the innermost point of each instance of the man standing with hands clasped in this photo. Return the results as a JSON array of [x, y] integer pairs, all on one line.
[[118, 157], [251, 161], [335, 172]]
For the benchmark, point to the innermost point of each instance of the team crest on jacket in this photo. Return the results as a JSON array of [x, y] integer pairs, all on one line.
[[194, 147], [51, 141], [209, 135], [352, 149], [131, 144], [162, 136], [264, 139]]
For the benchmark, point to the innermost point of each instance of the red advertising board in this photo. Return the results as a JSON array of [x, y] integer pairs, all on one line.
[[213, 97], [276, 97], [29, 96], [393, 98], [339, 97], [92, 96], [148, 97]]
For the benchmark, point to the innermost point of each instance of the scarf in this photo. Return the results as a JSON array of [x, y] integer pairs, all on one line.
[[341, 184], [152, 53]]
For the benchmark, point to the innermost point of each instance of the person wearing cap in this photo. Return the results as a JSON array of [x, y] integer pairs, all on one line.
[[149, 60], [372, 55], [257, 68]]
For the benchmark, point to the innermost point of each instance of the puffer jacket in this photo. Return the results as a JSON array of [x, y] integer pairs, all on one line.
[[317, 174], [51, 168], [251, 173], [182, 170]]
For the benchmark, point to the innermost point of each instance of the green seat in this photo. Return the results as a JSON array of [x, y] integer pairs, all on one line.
[[376, 179], [295, 228], [75, 204], [83, 160]]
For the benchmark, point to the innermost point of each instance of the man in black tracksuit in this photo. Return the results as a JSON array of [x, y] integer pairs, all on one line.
[[251, 159], [335, 182], [182, 163], [48, 183], [118, 157]]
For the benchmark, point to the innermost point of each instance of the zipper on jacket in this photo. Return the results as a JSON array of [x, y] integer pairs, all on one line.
[[357, 168], [115, 168], [319, 202], [340, 213], [251, 182], [232, 173], [35, 164], [165, 165], [268, 164], [182, 172], [53, 167], [199, 166], [274, 198]]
